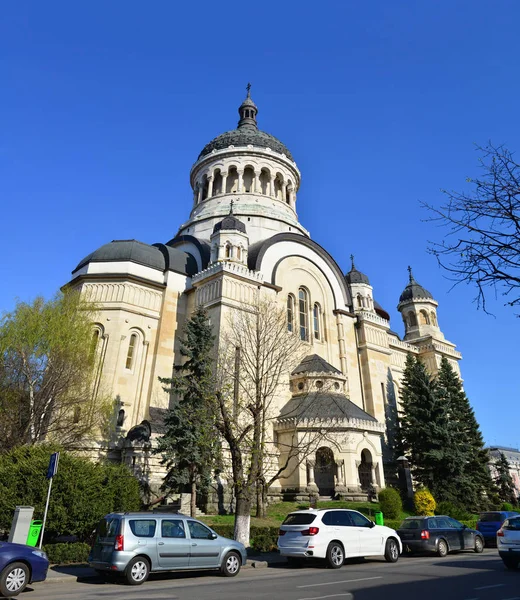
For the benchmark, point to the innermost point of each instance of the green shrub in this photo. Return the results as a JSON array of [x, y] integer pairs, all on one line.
[[63, 554], [82, 491], [452, 510], [424, 502], [393, 523], [390, 503], [262, 539], [507, 506]]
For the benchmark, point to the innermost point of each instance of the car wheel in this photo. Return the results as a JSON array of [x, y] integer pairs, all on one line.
[[231, 564], [137, 571], [335, 555], [442, 548], [13, 579], [391, 551], [510, 563], [479, 545]]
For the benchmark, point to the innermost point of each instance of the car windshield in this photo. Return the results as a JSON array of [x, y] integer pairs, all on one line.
[[299, 519], [513, 524], [412, 524], [491, 517]]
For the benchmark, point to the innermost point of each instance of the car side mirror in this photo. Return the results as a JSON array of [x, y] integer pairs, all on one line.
[[213, 536], [372, 524]]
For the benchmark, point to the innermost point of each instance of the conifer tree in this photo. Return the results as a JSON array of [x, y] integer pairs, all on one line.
[[424, 433], [471, 479], [190, 446], [504, 481]]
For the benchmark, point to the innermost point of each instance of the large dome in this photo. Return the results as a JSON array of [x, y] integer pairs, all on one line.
[[414, 290], [246, 134]]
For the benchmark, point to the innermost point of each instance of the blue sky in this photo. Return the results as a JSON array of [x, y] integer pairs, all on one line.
[[105, 106]]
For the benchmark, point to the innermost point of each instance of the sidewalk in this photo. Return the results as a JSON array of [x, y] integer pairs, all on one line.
[[68, 573]]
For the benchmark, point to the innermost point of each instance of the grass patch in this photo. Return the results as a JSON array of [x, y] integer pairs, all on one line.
[[277, 512]]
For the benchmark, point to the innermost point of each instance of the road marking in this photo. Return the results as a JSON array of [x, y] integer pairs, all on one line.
[[347, 595], [489, 587], [515, 598], [337, 582]]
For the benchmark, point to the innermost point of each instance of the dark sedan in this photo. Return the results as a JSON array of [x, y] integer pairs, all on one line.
[[19, 566], [438, 534]]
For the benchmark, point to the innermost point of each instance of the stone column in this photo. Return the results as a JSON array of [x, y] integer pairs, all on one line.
[[340, 489], [240, 180], [224, 182], [210, 186], [311, 484], [271, 186], [254, 183], [284, 191], [199, 195]]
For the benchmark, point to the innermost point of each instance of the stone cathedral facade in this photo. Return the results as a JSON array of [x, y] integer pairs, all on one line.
[[244, 239]]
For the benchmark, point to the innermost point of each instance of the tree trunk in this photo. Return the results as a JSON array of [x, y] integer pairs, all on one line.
[[242, 518], [261, 500], [193, 502]]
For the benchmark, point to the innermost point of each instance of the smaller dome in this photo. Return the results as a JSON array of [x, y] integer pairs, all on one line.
[[230, 223], [414, 290], [355, 276]]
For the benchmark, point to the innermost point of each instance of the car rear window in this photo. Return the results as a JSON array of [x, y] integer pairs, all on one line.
[[299, 519], [107, 529], [412, 524], [143, 527], [491, 517], [512, 524]]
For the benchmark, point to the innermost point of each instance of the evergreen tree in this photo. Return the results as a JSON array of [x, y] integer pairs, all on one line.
[[472, 480], [190, 446], [504, 481], [426, 436]]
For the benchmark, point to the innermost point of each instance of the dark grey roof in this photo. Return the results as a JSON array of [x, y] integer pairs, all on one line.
[[315, 364], [230, 223], [381, 311], [246, 136], [414, 291], [324, 405], [158, 256], [355, 276]]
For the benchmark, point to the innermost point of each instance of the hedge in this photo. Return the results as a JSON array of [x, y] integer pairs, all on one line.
[[262, 539], [64, 554]]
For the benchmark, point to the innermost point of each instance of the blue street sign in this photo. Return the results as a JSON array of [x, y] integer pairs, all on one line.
[[53, 465]]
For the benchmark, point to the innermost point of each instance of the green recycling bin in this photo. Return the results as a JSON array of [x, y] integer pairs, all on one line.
[[34, 533], [378, 515]]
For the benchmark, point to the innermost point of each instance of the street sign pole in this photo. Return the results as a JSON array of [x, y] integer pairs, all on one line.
[[51, 471]]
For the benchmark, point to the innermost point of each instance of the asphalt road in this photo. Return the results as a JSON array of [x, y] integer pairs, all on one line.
[[465, 576]]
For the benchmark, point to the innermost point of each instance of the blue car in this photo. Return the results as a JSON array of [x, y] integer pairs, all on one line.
[[19, 566], [490, 522]]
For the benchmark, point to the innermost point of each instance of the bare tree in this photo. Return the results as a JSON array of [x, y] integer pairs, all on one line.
[[482, 245], [46, 373], [256, 356]]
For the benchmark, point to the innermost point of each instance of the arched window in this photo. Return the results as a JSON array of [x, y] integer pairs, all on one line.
[[232, 181], [433, 318], [290, 313], [217, 183], [130, 355], [303, 305], [94, 344], [205, 187], [249, 176], [265, 178], [425, 319], [229, 251], [278, 181], [316, 314], [288, 191], [239, 253], [120, 418], [359, 301]]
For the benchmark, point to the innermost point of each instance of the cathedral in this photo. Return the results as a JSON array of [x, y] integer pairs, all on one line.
[[243, 238]]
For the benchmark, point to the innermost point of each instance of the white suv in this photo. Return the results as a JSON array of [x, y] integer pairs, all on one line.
[[335, 534], [508, 542]]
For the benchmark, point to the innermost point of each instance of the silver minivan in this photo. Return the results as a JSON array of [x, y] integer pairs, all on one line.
[[137, 544]]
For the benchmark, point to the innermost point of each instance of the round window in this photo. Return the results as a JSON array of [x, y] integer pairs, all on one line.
[[319, 384], [336, 386], [300, 386]]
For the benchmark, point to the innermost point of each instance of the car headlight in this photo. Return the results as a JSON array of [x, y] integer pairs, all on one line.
[[40, 553]]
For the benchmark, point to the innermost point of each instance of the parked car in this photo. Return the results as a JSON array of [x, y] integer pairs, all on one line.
[[136, 544], [19, 566], [438, 534], [508, 542], [334, 535], [490, 522]]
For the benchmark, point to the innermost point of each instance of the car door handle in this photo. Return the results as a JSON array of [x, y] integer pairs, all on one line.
[[160, 543], [194, 544]]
